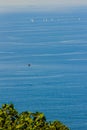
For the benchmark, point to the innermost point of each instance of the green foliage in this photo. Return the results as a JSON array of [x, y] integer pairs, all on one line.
[[10, 119]]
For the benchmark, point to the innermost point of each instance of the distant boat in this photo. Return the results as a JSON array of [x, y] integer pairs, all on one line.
[[29, 64]]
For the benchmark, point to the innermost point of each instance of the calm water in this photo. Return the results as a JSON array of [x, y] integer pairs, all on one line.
[[56, 81]]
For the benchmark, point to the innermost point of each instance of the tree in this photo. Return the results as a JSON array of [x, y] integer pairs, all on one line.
[[10, 119]]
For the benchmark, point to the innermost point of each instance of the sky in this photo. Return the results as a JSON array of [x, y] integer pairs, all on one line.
[[8, 5]]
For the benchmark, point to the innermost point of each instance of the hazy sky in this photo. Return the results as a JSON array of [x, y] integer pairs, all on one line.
[[40, 4]]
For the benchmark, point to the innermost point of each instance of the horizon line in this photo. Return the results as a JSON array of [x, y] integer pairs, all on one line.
[[31, 9]]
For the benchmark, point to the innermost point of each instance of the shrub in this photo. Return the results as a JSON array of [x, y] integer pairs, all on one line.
[[10, 119]]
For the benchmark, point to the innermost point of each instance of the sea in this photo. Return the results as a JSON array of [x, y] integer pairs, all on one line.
[[43, 65]]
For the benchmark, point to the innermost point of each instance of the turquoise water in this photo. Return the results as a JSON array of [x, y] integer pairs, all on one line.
[[55, 83]]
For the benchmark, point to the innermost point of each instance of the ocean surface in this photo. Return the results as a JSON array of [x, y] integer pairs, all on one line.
[[55, 81]]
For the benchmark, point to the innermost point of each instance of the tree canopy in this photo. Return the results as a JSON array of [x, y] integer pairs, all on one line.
[[11, 119]]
